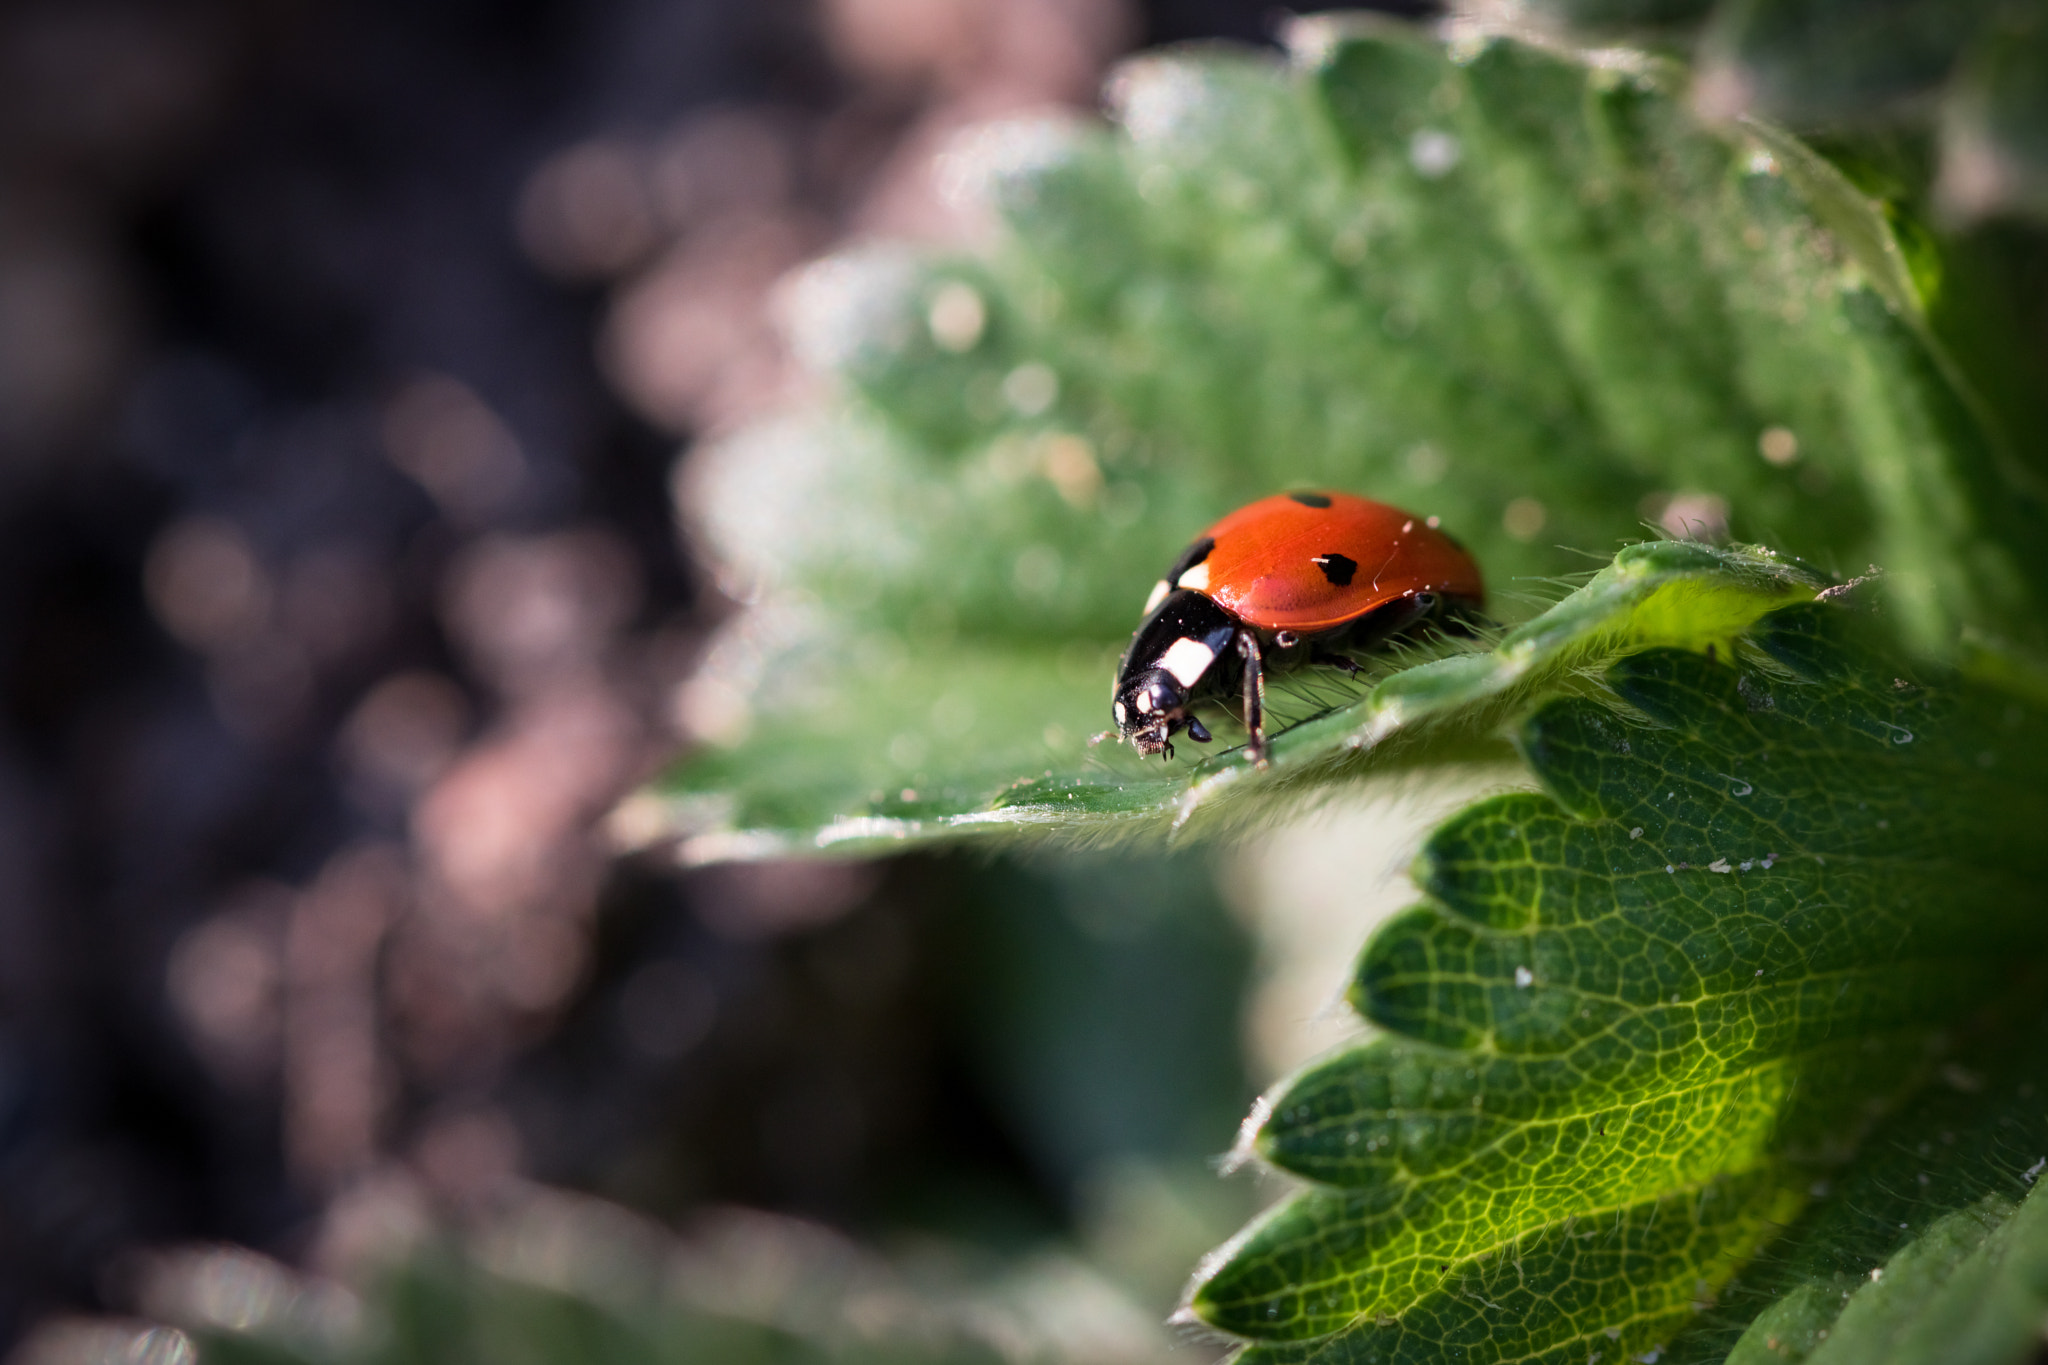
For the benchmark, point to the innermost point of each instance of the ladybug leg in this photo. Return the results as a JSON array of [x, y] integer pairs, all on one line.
[[1396, 620], [1254, 697], [1324, 656]]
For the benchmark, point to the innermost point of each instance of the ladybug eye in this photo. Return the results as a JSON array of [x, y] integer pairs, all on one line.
[[1424, 601]]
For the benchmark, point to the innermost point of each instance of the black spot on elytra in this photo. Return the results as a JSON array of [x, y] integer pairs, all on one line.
[[1310, 499], [1337, 568], [1193, 555]]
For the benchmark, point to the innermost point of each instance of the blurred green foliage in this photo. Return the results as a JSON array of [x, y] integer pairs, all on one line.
[[1094, 1005], [1101, 998], [1969, 73], [441, 1308]]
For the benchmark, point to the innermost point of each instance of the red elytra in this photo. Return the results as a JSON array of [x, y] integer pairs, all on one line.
[[1269, 567], [1289, 580]]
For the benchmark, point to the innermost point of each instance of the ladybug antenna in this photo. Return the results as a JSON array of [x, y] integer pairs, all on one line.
[[1197, 731]]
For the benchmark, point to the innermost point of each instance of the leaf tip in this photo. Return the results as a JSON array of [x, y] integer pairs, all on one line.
[[1253, 1144]]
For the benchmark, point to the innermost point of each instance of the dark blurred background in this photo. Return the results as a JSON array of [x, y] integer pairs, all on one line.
[[345, 352]]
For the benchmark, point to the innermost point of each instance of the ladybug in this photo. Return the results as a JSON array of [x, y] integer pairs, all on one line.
[[1289, 580]]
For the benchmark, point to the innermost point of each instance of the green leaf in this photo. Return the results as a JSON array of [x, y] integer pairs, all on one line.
[[1933, 1248], [1638, 1013], [1972, 1287], [1676, 593], [1496, 284]]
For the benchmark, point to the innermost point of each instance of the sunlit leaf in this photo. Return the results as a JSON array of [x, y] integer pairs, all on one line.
[[1641, 1012], [1931, 1248]]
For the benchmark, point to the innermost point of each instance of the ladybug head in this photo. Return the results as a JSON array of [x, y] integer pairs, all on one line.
[[1151, 708], [1169, 660]]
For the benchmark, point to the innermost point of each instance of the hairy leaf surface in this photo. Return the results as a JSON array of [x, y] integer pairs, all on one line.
[[1675, 593]]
